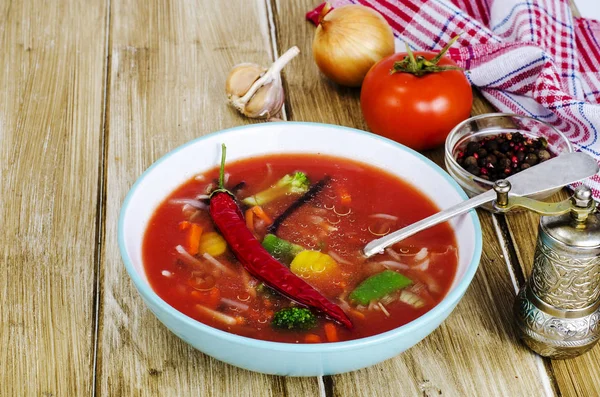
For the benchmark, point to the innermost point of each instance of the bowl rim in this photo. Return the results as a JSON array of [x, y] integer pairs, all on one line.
[[445, 305], [454, 164]]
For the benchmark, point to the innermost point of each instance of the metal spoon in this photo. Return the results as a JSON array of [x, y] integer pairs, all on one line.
[[551, 174]]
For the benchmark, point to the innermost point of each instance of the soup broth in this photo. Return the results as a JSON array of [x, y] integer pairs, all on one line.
[[189, 265]]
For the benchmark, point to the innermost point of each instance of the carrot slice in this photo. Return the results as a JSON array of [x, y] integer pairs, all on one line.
[[261, 214], [357, 314], [194, 238], [345, 197], [331, 332], [210, 298], [250, 219], [312, 338]]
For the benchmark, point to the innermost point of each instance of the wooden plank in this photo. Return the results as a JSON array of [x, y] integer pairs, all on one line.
[[51, 105], [475, 351], [168, 65], [575, 377]]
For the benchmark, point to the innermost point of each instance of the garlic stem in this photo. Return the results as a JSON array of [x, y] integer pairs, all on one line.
[[271, 74]]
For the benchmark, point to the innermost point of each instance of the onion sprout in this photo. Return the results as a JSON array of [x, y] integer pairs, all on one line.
[[422, 254], [190, 259], [393, 265], [191, 202], [383, 309], [217, 315], [336, 257], [236, 304], [423, 265], [217, 264]]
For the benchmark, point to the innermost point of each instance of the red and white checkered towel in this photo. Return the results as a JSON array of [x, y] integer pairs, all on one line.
[[528, 57]]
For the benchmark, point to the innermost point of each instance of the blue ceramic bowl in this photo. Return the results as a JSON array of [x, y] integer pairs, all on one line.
[[292, 137]]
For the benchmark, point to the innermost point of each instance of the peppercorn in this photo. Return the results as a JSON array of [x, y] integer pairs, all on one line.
[[504, 146], [491, 145], [531, 159], [499, 156], [472, 147], [491, 160], [543, 155], [473, 169], [470, 161], [504, 163]]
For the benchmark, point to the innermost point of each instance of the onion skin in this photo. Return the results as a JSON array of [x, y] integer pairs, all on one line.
[[349, 41]]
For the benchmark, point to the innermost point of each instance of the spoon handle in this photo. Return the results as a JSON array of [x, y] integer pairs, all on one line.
[[377, 246]]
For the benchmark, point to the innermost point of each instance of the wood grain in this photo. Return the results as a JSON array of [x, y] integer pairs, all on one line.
[[168, 65], [475, 351], [51, 101]]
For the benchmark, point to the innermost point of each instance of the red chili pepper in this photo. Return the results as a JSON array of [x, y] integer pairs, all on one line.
[[228, 218]]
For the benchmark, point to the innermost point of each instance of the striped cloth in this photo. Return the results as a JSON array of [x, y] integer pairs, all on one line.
[[527, 57]]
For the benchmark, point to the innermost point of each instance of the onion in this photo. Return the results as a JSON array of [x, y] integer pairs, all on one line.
[[423, 265], [192, 202], [338, 258], [217, 264], [349, 40], [236, 304], [189, 259], [422, 254], [216, 315], [393, 265], [393, 254], [383, 309]]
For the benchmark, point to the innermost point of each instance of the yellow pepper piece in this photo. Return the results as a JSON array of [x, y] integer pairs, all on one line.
[[313, 264], [212, 243]]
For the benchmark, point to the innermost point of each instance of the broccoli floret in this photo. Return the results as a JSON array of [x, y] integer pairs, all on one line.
[[289, 184], [294, 318]]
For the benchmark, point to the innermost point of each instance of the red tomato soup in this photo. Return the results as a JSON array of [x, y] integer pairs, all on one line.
[[190, 266]]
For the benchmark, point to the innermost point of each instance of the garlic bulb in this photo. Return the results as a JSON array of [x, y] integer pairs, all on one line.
[[255, 91], [349, 40]]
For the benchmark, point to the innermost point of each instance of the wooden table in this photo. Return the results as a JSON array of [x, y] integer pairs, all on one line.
[[91, 94]]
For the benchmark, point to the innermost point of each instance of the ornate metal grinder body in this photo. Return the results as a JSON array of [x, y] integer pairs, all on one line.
[[558, 311]]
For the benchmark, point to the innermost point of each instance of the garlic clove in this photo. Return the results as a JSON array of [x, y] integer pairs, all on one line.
[[267, 101], [255, 91], [241, 78]]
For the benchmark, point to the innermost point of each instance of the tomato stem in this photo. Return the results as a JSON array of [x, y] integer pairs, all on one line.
[[419, 66]]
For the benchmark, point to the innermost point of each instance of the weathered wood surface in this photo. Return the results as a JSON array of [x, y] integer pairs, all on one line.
[[477, 339], [51, 100], [161, 67], [168, 64]]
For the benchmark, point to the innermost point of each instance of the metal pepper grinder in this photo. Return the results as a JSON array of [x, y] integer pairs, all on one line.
[[558, 311]]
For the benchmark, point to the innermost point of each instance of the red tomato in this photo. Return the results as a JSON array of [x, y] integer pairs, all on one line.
[[418, 112]]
